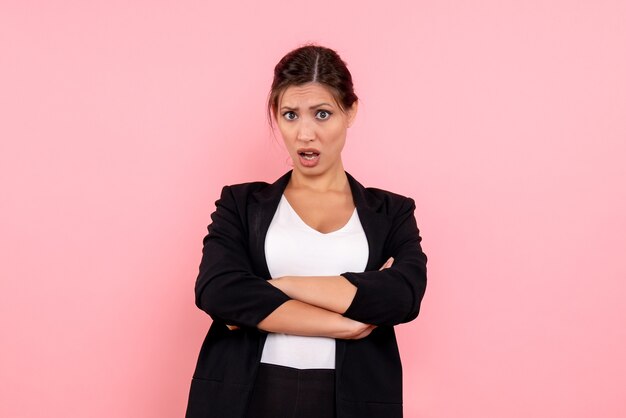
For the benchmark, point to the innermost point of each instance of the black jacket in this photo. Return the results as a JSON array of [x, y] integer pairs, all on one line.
[[232, 288]]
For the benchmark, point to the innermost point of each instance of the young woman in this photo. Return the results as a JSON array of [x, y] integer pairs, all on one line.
[[305, 278]]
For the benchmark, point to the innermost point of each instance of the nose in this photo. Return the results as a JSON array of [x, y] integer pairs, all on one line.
[[306, 131]]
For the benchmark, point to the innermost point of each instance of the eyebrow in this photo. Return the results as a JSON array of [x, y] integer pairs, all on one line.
[[310, 107]]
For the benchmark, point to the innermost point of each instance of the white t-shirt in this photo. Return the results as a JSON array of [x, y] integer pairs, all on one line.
[[293, 248]]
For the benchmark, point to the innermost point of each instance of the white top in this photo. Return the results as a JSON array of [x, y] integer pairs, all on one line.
[[293, 248]]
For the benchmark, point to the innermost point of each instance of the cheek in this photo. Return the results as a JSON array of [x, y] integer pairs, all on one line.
[[285, 133], [338, 136], [288, 141]]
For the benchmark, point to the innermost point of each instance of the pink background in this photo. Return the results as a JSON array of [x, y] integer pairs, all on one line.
[[505, 120]]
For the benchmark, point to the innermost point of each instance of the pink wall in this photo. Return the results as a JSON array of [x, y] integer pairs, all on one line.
[[505, 120]]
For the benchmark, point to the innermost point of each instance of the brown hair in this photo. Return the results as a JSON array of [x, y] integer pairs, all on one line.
[[312, 63]]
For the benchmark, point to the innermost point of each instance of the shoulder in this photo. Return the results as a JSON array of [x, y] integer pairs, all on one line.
[[245, 194], [244, 189], [261, 189], [393, 203], [380, 200], [387, 195], [236, 197]]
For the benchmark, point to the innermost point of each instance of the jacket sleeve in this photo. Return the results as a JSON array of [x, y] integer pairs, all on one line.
[[393, 295], [226, 287]]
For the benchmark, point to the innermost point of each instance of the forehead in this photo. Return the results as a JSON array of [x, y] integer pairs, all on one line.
[[306, 93]]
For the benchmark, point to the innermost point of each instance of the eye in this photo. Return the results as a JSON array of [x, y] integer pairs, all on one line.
[[290, 115], [323, 114]]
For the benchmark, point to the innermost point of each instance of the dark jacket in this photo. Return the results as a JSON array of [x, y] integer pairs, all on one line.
[[232, 288]]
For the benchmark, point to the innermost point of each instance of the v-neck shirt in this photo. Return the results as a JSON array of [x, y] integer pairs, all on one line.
[[293, 248]]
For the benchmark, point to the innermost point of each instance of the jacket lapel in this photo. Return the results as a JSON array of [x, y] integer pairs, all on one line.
[[375, 223], [261, 210]]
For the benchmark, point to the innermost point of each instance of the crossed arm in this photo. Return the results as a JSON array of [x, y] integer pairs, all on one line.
[[316, 307], [347, 306]]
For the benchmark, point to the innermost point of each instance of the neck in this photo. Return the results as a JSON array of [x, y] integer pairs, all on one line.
[[331, 180]]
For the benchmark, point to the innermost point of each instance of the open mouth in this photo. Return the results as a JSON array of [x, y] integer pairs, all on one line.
[[309, 155]]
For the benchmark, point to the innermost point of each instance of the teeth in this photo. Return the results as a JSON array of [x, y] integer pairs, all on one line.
[[309, 155]]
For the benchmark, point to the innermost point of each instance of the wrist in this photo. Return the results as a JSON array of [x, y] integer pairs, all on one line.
[[343, 328]]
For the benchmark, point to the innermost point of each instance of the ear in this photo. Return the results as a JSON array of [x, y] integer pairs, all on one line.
[[352, 113]]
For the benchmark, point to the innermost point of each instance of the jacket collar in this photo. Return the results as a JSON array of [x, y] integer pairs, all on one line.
[[370, 208]]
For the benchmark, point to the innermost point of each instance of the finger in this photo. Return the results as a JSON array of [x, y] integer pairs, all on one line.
[[387, 264], [384, 266]]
